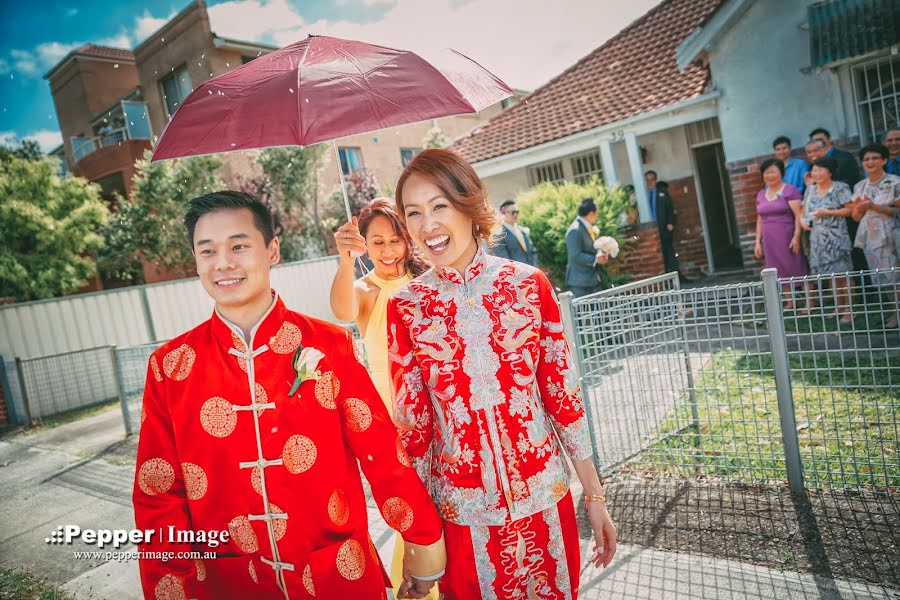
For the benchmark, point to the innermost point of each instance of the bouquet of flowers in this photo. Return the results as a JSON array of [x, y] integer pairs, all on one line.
[[606, 246]]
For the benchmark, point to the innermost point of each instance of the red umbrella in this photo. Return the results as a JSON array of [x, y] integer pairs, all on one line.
[[323, 88]]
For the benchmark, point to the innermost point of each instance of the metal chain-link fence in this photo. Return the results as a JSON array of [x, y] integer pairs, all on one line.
[[54, 385], [61, 383], [131, 370], [748, 438]]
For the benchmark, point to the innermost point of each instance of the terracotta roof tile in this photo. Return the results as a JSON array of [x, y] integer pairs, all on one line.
[[103, 52], [632, 73]]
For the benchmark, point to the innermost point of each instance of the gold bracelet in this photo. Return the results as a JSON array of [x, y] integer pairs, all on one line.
[[595, 497]]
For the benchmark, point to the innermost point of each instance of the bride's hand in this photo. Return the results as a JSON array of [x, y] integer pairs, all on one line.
[[604, 534], [350, 243]]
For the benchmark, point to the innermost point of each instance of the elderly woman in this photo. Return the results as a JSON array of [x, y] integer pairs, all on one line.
[[779, 208], [876, 201], [825, 208]]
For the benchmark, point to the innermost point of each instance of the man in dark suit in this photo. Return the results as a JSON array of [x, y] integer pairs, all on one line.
[[663, 213], [514, 241], [581, 270], [848, 171]]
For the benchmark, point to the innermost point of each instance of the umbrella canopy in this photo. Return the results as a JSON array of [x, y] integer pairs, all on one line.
[[323, 88]]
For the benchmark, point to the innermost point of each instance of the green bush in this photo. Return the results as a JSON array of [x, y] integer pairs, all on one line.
[[548, 209]]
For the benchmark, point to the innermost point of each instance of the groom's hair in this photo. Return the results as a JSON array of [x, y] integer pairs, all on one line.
[[229, 200]]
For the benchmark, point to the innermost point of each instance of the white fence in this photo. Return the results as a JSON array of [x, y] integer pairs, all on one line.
[[146, 313], [125, 318]]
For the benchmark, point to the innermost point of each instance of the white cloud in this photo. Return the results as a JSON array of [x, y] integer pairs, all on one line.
[[36, 62], [254, 20], [47, 139], [147, 24], [525, 45], [4, 67], [24, 62], [121, 40]]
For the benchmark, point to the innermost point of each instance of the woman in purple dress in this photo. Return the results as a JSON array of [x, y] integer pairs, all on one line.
[[779, 207]]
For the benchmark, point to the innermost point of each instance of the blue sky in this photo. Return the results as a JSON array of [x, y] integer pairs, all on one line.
[[525, 47]]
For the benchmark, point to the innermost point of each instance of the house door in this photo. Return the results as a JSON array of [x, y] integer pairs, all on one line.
[[718, 207]]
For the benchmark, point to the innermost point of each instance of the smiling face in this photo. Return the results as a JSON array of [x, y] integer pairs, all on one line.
[[873, 163], [892, 141], [783, 152], [820, 175], [814, 151], [386, 249], [233, 260], [772, 176], [443, 232]]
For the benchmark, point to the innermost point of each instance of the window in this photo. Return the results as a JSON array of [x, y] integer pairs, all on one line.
[[407, 154], [877, 97], [351, 160], [552, 172], [245, 59], [175, 87], [587, 165]]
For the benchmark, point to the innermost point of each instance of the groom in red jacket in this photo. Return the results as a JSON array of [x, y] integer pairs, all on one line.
[[253, 423]]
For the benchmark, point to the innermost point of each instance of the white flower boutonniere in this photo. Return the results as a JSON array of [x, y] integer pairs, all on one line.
[[595, 229], [305, 361]]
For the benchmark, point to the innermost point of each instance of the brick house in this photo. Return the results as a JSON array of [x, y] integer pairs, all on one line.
[[697, 90], [112, 103]]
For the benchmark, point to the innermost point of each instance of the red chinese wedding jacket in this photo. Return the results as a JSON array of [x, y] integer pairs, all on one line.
[[484, 389], [278, 473]]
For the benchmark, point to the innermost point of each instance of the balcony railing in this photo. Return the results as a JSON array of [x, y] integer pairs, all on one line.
[[136, 127]]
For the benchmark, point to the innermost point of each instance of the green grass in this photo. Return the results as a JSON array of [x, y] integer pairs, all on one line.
[[16, 585], [846, 411]]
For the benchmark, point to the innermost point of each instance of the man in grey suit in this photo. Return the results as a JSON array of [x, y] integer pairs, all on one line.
[[581, 270], [514, 242]]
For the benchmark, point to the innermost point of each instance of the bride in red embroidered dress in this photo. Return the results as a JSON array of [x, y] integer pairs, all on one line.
[[484, 396]]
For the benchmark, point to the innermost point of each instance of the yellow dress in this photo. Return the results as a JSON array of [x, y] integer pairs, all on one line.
[[375, 342], [375, 339]]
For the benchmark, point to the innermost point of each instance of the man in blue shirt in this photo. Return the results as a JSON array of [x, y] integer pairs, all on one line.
[[892, 141], [794, 168]]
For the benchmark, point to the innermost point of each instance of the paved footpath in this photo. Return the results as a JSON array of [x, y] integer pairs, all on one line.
[[82, 472]]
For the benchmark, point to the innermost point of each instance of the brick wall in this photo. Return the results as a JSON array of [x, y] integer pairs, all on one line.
[[4, 415], [689, 243], [746, 181], [642, 253]]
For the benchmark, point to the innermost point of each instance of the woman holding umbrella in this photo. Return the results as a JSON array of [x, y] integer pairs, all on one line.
[[483, 387], [379, 232]]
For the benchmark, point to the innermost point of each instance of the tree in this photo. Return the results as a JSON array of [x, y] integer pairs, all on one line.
[[150, 223], [548, 209], [435, 138], [294, 177], [50, 228], [24, 149]]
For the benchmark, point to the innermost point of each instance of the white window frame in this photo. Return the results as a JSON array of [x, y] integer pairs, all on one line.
[[580, 160], [552, 172], [350, 170], [864, 122]]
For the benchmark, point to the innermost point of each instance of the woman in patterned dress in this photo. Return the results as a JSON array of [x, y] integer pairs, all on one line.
[[825, 208], [485, 398], [876, 202]]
